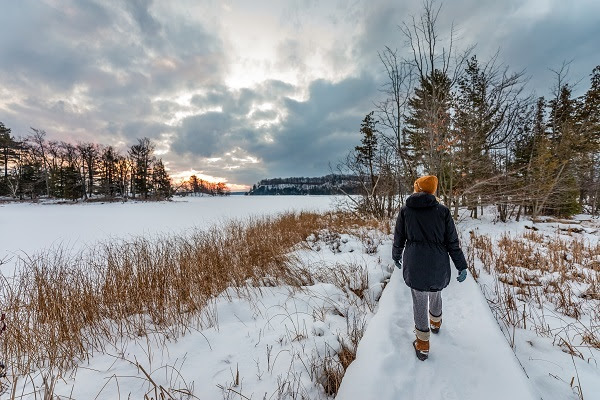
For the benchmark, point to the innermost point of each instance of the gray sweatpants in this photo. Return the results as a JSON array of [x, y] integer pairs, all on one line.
[[421, 308]]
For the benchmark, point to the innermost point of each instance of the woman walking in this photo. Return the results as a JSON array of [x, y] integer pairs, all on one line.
[[424, 237]]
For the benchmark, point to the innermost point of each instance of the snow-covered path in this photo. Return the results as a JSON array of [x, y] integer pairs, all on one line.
[[468, 359]]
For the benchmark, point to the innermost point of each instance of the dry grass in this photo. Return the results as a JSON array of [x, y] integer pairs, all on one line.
[[331, 368], [61, 307], [326, 366], [533, 270], [353, 280], [537, 281]]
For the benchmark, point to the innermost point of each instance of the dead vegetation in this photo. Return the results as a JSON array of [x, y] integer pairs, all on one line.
[[63, 307], [545, 283], [330, 368], [538, 277]]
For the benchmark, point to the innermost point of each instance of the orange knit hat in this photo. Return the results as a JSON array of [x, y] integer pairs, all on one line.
[[427, 184]]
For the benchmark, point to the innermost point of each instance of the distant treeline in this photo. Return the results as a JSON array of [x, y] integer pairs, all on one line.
[[35, 167], [325, 185], [199, 187]]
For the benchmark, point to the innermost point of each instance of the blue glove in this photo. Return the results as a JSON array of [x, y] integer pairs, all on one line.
[[398, 264], [462, 275]]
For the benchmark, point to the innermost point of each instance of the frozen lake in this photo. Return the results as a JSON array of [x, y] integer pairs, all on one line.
[[31, 227]]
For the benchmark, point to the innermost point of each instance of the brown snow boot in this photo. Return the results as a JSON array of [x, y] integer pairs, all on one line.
[[435, 323], [421, 345]]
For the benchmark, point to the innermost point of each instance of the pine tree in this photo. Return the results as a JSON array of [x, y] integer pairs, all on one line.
[[428, 130], [366, 152], [475, 120], [73, 173], [108, 172], [8, 154], [141, 155], [567, 147], [161, 183], [368, 161], [589, 117], [194, 184]]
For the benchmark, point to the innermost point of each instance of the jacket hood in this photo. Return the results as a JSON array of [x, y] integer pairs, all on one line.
[[421, 200]]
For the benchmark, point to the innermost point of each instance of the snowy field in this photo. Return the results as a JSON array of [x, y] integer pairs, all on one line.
[[32, 227], [38, 225], [272, 342]]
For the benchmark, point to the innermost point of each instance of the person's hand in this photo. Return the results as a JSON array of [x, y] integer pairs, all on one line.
[[462, 275], [398, 264]]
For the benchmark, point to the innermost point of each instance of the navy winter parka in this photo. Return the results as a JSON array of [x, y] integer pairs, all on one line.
[[424, 237]]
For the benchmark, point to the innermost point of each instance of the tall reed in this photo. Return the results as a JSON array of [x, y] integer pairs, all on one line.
[[62, 307]]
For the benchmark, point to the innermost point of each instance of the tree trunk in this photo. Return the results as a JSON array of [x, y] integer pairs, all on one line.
[[5, 162], [455, 216]]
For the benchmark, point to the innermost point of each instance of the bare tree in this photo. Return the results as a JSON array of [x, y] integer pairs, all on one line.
[[39, 151], [391, 112], [423, 38]]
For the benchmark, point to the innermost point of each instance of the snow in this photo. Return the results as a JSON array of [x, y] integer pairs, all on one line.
[[553, 371], [468, 358], [471, 357], [266, 343], [31, 227]]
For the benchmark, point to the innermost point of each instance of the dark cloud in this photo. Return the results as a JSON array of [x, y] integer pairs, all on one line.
[[311, 134], [240, 101], [323, 128], [141, 14], [532, 36], [140, 129], [100, 67], [115, 71], [568, 33], [47, 45], [204, 135]]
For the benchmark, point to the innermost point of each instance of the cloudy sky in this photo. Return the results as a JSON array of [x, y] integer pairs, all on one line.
[[241, 90]]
